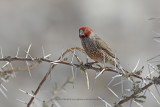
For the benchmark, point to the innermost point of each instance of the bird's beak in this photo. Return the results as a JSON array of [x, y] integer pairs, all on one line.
[[81, 33]]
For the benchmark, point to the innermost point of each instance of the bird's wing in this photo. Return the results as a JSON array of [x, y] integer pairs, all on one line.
[[102, 45]]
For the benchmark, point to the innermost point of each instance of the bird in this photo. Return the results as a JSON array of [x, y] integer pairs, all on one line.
[[95, 47]]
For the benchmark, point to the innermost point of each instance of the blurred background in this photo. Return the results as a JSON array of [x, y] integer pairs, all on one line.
[[123, 24]]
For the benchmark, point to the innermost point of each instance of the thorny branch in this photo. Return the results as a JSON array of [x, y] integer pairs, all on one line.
[[132, 96], [86, 66]]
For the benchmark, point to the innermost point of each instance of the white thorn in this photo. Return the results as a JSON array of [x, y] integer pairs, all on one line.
[[30, 94], [122, 69], [29, 55], [1, 53], [17, 52], [113, 92], [47, 56], [118, 83], [106, 103], [28, 50], [116, 76], [136, 65], [100, 73], [56, 103], [130, 79], [73, 74], [4, 87], [4, 80], [153, 57], [87, 79], [5, 64], [28, 69], [155, 69], [55, 62], [22, 101], [3, 93], [73, 56], [122, 84], [110, 81], [138, 103], [43, 52], [155, 39], [154, 96], [128, 89], [12, 69], [157, 90], [61, 54], [149, 71], [94, 80]]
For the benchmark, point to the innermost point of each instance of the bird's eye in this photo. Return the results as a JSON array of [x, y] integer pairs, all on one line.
[[85, 31], [81, 32]]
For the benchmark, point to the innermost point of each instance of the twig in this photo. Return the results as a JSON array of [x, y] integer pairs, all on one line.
[[48, 73], [132, 96]]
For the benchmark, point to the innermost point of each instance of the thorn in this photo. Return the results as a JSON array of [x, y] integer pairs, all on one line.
[[153, 57], [138, 103], [4, 80], [22, 101], [131, 101], [73, 75], [117, 76], [17, 52], [5, 65], [28, 69], [29, 55], [106, 103], [61, 54], [110, 81], [122, 84], [28, 50], [128, 89], [157, 90], [118, 83], [4, 87], [47, 56], [154, 96], [73, 56], [100, 73], [113, 93], [130, 80], [87, 79], [12, 69], [156, 39], [30, 95], [43, 52], [72, 66], [1, 53], [94, 80], [56, 103], [55, 62], [122, 69], [136, 65], [3, 93], [155, 69], [149, 71]]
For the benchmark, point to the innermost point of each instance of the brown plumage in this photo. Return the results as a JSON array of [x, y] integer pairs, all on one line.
[[95, 47]]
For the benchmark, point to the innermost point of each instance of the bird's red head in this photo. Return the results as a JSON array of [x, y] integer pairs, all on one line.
[[84, 32]]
